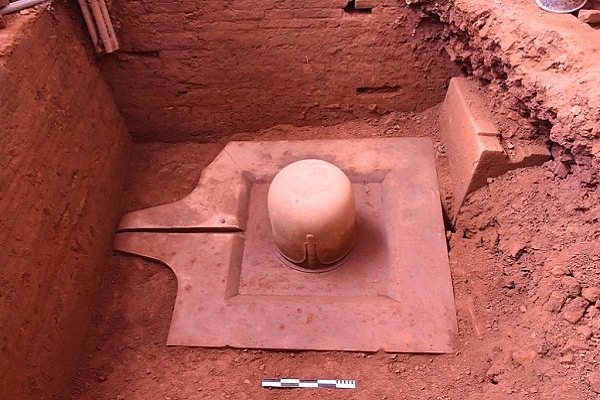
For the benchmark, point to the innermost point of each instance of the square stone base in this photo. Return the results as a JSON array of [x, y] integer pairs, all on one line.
[[394, 291]]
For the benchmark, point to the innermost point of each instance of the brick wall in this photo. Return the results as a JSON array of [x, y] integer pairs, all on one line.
[[62, 153], [203, 69]]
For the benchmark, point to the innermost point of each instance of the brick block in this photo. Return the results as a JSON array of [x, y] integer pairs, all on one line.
[[470, 140], [365, 4], [318, 13], [472, 143]]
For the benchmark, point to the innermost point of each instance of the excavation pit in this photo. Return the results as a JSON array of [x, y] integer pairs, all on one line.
[[134, 129], [393, 293]]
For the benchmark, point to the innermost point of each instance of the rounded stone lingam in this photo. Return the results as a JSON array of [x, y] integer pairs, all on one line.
[[312, 214]]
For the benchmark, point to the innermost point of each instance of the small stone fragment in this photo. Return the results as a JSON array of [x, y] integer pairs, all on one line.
[[566, 359], [591, 294], [596, 148], [494, 373], [560, 270], [562, 170], [594, 380], [530, 155], [570, 286], [515, 249], [589, 16], [574, 345], [575, 309], [555, 302], [585, 331], [523, 357], [596, 326]]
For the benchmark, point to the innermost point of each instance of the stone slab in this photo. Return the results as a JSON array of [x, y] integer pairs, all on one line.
[[217, 202], [394, 292], [472, 143]]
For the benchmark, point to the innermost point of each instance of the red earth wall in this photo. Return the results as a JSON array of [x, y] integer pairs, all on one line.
[[63, 150], [201, 70]]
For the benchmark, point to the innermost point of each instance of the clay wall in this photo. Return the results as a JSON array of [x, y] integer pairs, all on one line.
[[198, 70], [62, 153]]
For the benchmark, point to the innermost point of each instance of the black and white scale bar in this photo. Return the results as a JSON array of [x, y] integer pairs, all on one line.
[[309, 383]]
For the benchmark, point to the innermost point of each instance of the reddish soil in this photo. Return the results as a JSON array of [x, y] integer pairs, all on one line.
[[524, 267], [524, 253], [62, 149]]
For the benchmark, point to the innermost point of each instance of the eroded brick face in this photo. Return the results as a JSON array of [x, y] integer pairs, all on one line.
[[203, 69]]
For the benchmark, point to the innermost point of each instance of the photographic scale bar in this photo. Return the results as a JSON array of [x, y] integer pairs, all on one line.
[[309, 383]]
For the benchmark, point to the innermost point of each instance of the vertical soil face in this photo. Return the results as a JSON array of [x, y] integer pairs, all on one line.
[[63, 149], [540, 67], [200, 70]]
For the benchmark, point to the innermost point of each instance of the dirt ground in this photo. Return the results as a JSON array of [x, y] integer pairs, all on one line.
[[524, 253], [524, 261]]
